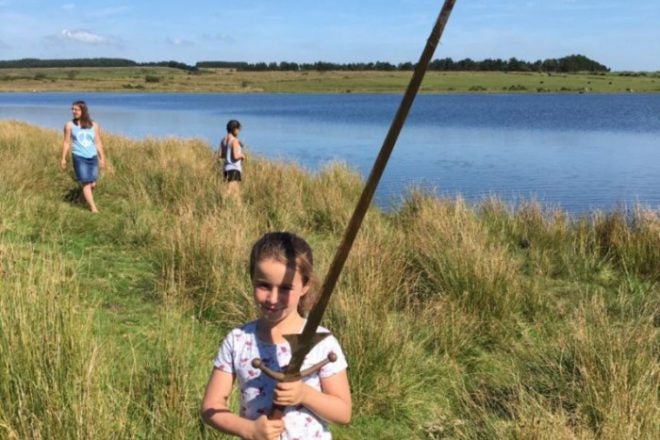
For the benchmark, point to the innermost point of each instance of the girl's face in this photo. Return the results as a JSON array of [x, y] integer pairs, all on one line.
[[277, 289], [76, 111]]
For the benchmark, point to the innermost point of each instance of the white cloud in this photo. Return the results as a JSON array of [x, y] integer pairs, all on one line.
[[82, 36], [180, 42]]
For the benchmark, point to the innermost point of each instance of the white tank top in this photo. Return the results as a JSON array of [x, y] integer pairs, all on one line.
[[230, 162]]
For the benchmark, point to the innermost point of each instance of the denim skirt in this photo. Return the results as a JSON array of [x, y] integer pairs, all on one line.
[[87, 169]]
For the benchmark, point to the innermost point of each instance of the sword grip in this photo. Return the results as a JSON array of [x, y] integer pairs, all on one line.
[[276, 412]]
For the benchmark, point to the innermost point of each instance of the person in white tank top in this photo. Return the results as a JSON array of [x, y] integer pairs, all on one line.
[[231, 151]]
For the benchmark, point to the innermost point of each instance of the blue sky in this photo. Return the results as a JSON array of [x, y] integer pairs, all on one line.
[[624, 35]]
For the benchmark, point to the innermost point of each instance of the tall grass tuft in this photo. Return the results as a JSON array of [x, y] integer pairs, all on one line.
[[49, 360], [631, 240], [448, 248]]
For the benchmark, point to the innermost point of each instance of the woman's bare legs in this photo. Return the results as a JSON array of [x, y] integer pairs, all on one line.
[[232, 189], [89, 197]]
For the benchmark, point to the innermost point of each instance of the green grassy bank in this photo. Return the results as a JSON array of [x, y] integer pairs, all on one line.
[[458, 322], [163, 79]]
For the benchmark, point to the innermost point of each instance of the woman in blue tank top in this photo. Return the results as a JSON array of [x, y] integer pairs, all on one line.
[[82, 136]]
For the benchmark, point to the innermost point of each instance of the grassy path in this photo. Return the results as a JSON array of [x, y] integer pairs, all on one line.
[[102, 291]]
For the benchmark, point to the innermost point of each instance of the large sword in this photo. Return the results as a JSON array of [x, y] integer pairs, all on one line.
[[302, 344]]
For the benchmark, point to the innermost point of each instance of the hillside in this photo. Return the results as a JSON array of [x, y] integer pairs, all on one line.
[[458, 321], [218, 80]]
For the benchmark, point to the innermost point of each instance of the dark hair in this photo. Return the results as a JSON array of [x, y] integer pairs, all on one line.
[[291, 250], [85, 120], [233, 125]]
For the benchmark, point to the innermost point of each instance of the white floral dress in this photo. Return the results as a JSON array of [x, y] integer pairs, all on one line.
[[256, 389]]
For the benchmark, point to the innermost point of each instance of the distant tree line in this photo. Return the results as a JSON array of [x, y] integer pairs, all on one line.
[[572, 63], [90, 62]]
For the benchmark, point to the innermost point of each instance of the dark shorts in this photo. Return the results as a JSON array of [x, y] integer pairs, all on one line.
[[232, 176], [86, 169]]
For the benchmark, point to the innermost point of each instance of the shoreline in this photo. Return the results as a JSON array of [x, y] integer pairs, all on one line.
[[426, 93], [164, 80], [393, 202]]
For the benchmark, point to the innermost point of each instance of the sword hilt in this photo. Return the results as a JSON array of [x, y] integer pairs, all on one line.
[[292, 377]]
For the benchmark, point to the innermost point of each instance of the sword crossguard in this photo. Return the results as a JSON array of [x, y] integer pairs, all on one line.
[[284, 377]]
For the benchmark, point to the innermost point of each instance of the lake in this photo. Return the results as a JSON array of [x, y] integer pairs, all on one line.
[[579, 152]]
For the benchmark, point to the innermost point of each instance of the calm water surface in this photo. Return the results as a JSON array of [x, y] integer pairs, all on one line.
[[577, 152]]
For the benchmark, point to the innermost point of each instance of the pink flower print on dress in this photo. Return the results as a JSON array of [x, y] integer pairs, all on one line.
[[308, 421], [283, 349], [252, 373], [243, 361]]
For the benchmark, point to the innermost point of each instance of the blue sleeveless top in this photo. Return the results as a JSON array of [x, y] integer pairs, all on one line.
[[82, 141]]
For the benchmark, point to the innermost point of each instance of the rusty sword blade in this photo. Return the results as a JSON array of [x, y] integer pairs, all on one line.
[[306, 340]]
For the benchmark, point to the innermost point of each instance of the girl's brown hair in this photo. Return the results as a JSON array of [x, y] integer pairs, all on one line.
[[293, 251], [85, 120], [232, 125]]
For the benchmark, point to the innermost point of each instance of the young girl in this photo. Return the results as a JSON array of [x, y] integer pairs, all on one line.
[[282, 283], [232, 152], [87, 152]]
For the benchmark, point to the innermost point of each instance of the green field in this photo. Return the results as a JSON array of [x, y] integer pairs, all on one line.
[[460, 322], [163, 79]]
